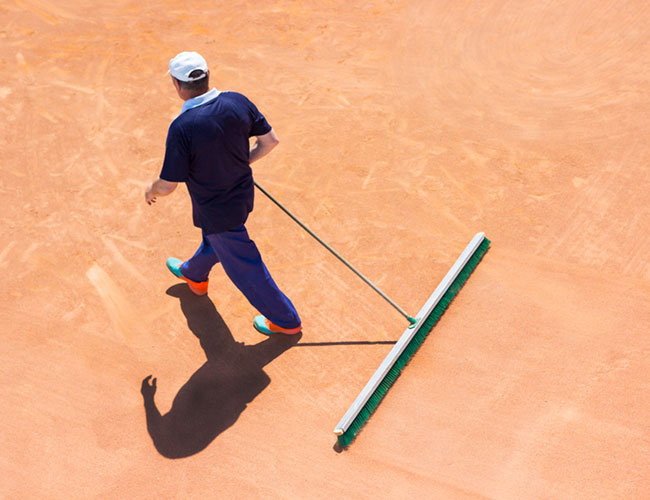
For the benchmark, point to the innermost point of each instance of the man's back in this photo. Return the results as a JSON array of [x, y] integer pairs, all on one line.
[[208, 148]]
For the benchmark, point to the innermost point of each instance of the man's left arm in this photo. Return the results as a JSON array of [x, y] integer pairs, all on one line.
[[263, 146]]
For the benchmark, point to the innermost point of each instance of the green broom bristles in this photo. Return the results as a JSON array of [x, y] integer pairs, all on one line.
[[348, 436]]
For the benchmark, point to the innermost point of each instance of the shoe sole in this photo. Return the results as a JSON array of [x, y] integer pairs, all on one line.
[[197, 288]]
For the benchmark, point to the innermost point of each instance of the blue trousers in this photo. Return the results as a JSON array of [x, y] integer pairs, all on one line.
[[243, 264]]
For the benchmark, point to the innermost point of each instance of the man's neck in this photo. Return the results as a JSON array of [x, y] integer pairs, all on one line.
[[200, 99], [187, 95]]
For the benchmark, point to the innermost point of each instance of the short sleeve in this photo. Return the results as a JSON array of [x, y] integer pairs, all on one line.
[[259, 124], [176, 166]]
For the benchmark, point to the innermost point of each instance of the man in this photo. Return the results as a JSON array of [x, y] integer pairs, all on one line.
[[208, 149]]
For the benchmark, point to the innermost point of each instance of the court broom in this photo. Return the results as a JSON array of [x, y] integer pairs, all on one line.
[[419, 327]]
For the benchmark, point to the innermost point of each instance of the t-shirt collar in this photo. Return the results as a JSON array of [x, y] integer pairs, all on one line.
[[201, 99]]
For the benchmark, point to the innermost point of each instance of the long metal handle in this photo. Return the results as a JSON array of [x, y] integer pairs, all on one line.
[[337, 255]]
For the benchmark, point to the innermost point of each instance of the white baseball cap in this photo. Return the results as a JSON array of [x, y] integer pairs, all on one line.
[[184, 63]]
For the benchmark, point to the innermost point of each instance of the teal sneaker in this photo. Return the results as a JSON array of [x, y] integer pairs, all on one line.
[[198, 287], [174, 265], [264, 326]]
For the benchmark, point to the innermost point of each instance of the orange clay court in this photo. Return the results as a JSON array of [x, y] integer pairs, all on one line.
[[405, 127]]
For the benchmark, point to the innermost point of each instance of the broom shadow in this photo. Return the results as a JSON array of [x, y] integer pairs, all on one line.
[[218, 392], [347, 342]]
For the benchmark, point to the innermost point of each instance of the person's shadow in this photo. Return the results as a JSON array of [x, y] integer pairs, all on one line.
[[214, 397]]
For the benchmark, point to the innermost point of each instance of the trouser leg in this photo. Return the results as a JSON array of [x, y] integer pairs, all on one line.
[[243, 264], [198, 267]]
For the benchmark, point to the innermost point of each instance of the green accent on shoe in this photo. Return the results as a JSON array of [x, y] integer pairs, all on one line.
[[264, 326], [174, 265], [260, 325]]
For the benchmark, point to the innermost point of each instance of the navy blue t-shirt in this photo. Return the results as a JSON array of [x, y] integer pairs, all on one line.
[[208, 148]]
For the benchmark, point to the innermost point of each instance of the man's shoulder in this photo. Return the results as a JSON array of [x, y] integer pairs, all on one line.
[[227, 102], [236, 98], [232, 94], [180, 121], [227, 99]]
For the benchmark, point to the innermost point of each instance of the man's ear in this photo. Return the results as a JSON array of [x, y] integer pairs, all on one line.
[[178, 88]]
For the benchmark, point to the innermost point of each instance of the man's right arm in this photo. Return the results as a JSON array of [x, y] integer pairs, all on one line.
[[159, 187]]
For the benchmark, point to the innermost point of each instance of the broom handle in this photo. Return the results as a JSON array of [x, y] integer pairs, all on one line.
[[337, 255]]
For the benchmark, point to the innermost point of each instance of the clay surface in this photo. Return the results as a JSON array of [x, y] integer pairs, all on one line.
[[406, 127]]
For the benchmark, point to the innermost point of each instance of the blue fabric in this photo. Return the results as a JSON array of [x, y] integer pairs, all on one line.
[[208, 149], [243, 264], [202, 99]]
